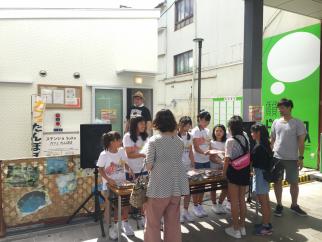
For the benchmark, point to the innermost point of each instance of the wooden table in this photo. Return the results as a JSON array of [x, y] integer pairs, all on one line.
[[208, 184], [122, 194]]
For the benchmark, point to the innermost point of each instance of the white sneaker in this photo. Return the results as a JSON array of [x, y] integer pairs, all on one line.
[[162, 223], [202, 211], [218, 208], [141, 222], [228, 207], [243, 231], [187, 216], [113, 232], [197, 212], [127, 229], [233, 233], [181, 218]]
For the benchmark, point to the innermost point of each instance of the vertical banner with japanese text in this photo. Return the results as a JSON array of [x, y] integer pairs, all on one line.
[[291, 69], [38, 108]]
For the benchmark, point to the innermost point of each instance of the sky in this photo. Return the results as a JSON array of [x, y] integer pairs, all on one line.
[[144, 4]]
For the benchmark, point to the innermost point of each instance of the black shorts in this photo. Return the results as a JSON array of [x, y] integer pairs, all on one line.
[[238, 177]]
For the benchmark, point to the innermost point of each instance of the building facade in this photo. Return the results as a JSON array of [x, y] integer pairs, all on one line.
[[114, 52], [220, 24]]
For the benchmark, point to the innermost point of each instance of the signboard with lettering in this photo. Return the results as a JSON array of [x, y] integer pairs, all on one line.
[[225, 108], [291, 69], [38, 109], [60, 143], [255, 113]]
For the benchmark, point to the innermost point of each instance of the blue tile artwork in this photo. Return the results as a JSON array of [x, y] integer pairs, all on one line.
[[66, 183], [32, 202], [57, 165], [22, 175]]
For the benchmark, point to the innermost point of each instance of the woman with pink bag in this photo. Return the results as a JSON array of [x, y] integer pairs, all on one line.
[[237, 172]]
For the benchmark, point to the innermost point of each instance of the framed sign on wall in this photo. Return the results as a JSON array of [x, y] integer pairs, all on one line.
[[61, 96], [60, 143]]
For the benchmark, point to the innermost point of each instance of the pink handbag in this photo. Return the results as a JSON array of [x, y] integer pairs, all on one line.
[[243, 160]]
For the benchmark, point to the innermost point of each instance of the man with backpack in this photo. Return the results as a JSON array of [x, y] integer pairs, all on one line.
[[287, 138]]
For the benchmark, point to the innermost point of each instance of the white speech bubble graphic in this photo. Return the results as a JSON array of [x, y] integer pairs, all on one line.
[[277, 88], [294, 57]]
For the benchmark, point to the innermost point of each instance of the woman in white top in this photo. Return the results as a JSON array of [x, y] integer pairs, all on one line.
[[238, 179], [134, 143], [201, 140], [188, 160], [217, 154]]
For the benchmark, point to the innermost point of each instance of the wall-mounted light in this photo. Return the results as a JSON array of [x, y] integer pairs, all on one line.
[[76, 75], [42, 73], [173, 103], [138, 80]]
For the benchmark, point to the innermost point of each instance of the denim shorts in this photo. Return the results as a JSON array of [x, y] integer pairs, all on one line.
[[260, 185], [205, 165], [105, 190]]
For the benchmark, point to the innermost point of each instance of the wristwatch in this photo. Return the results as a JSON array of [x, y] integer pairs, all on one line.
[[301, 157]]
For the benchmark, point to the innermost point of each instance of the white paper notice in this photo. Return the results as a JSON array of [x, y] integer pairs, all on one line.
[[223, 114], [238, 108], [230, 109], [47, 95], [58, 96], [70, 93], [216, 113]]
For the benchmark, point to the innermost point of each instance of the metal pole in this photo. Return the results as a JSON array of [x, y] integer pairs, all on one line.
[[199, 40], [252, 67], [119, 219], [199, 75]]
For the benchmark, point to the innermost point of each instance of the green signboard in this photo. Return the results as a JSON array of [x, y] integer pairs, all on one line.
[[291, 69]]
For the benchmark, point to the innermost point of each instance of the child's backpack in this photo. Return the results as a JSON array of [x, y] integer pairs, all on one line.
[[275, 170]]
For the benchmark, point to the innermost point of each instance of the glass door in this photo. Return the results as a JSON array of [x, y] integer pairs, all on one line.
[[108, 104]]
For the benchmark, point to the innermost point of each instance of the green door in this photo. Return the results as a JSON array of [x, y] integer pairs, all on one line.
[[109, 107]]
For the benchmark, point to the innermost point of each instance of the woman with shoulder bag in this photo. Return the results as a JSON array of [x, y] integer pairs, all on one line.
[[168, 180], [237, 172]]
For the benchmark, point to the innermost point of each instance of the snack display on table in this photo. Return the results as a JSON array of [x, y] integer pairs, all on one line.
[[203, 174], [123, 184]]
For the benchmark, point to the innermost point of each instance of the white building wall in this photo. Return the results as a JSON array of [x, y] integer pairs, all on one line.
[[99, 46], [221, 24], [96, 48]]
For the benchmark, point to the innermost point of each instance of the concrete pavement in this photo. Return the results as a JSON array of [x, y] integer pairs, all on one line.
[[290, 227]]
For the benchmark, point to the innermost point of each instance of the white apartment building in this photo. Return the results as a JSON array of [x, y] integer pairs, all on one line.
[[221, 24]]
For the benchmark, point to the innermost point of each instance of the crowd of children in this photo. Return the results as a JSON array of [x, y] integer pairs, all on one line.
[[202, 149]]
